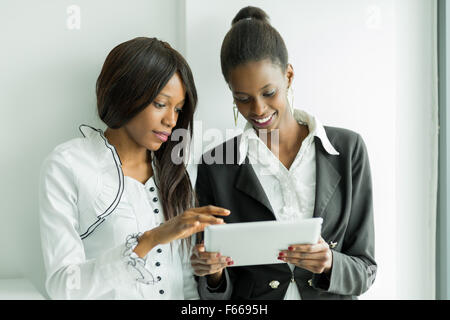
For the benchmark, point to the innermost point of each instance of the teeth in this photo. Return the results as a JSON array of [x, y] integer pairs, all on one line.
[[264, 119]]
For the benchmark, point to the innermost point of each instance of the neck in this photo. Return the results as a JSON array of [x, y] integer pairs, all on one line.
[[130, 153], [288, 135]]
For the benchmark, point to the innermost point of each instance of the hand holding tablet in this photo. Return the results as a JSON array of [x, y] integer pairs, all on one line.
[[255, 243], [316, 258]]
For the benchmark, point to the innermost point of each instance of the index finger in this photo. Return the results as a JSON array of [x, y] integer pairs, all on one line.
[[213, 210]]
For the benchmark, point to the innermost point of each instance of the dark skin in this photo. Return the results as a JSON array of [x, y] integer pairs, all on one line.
[[260, 90], [135, 139]]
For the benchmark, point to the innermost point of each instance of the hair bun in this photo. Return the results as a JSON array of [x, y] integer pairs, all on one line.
[[248, 13]]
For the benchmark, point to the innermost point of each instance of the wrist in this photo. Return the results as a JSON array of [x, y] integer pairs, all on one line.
[[327, 270], [146, 243], [213, 280]]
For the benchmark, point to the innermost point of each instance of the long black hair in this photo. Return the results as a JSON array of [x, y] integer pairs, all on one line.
[[132, 76], [251, 38]]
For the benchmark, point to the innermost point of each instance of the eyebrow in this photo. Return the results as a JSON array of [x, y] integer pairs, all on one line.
[[267, 85]]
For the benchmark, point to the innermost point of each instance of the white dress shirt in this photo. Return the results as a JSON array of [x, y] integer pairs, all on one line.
[[88, 210], [291, 192]]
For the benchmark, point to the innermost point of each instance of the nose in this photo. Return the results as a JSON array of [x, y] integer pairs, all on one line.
[[170, 118], [258, 107]]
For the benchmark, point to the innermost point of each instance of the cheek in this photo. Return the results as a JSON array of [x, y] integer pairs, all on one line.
[[279, 101], [243, 109], [145, 119], [142, 124]]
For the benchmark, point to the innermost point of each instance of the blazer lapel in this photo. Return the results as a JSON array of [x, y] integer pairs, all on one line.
[[327, 179], [248, 183]]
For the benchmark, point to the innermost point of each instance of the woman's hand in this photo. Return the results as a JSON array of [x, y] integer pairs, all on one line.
[[189, 222], [182, 226], [209, 263], [316, 258]]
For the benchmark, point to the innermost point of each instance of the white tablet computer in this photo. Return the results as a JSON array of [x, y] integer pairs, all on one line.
[[253, 243]]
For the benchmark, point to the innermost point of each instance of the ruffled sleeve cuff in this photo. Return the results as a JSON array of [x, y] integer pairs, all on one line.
[[136, 264], [122, 266]]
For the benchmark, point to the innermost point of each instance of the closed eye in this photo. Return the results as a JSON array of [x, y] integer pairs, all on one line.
[[159, 105], [243, 100], [270, 94]]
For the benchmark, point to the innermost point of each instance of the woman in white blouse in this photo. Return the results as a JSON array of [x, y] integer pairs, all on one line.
[[117, 210]]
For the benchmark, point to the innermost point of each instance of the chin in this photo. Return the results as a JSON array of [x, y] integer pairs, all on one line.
[[154, 146]]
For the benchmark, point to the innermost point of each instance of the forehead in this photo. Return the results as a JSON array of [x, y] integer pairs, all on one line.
[[174, 88], [255, 75]]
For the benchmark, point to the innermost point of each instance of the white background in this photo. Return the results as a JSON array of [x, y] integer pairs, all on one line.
[[368, 66]]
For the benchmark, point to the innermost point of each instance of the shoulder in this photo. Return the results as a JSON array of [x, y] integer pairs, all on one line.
[[345, 140], [71, 151], [224, 153], [76, 156], [341, 136]]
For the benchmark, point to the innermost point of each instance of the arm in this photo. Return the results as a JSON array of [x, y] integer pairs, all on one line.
[[69, 275], [354, 269], [218, 286]]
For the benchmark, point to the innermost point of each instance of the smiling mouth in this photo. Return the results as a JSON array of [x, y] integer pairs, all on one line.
[[262, 122]]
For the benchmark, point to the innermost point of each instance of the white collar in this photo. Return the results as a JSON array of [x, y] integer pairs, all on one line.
[[314, 125], [103, 146]]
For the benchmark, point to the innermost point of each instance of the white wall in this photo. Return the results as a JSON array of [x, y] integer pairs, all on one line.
[[365, 65], [47, 81]]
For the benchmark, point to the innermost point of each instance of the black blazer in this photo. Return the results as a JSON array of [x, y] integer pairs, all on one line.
[[343, 200]]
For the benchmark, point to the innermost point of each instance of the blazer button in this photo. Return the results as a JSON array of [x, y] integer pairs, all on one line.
[[156, 211], [158, 278], [274, 284], [159, 250], [155, 199], [161, 291], [310, 282], [333, 244], [157, 264], [152, 189]]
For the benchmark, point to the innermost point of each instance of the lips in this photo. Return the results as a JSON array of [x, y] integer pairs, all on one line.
[[263, 121], [163, 136]]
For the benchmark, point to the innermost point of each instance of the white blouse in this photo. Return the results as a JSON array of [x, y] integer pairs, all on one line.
[[291, 192], [88, 211]]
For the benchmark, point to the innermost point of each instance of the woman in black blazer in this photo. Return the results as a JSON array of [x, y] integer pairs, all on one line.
[[341, 265]]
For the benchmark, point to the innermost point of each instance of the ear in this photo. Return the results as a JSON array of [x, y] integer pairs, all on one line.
[[289, 74]]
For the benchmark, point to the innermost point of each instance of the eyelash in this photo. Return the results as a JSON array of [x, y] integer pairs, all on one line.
[[270, 94], [267, 95], [160, 106]]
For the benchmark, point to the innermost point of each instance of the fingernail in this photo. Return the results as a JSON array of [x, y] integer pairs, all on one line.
[[280, 258], [291, 248], [218, 255], [228, 259], [230, 263], [282, 254]]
